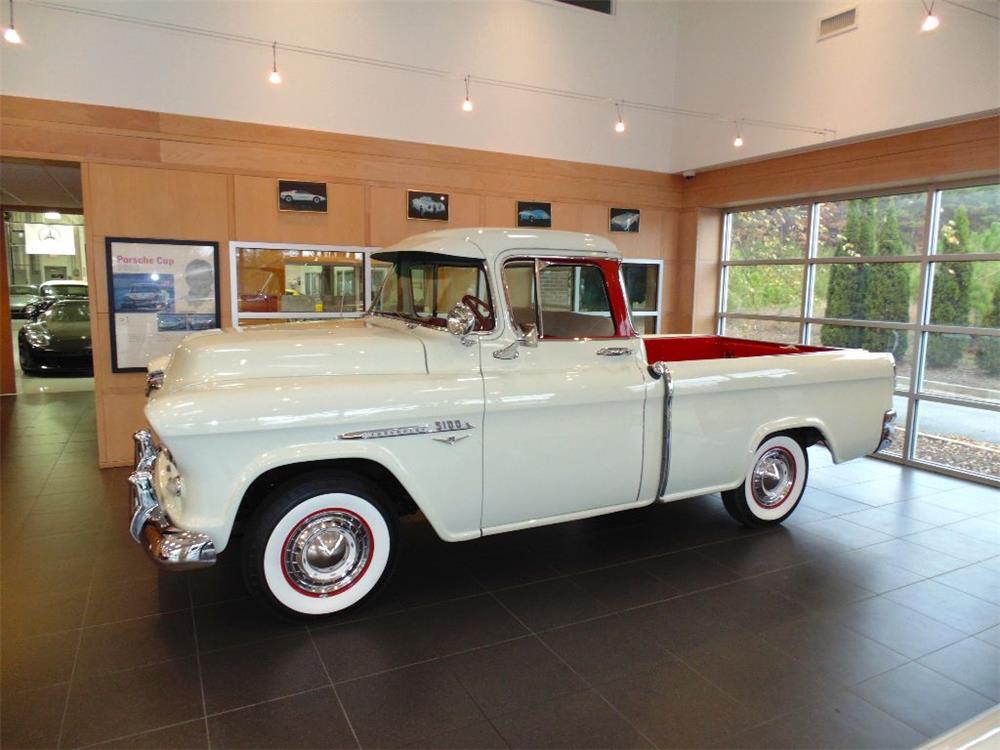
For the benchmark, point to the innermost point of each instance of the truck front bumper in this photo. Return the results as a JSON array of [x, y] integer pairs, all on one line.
[[169, 546]]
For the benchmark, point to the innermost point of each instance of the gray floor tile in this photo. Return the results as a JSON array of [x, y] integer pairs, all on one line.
[[961, 611], [898, 627], [972, 662]]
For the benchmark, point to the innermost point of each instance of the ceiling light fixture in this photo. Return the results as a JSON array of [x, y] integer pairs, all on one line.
[[931, 22], [52, 215], [738, 140], [467, 104], [10, 33], [620, 125], [275, 76]]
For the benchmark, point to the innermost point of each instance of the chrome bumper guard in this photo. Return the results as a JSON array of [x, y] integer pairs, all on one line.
[[888, 429], [166, 544]]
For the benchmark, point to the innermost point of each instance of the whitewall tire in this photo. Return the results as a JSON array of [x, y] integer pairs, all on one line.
[[320, 545], [774, 484]]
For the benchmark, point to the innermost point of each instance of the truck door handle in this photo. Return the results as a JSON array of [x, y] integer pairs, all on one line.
[[613, 351]]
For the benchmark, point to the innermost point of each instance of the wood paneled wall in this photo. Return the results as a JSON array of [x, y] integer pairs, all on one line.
[[154, 175]]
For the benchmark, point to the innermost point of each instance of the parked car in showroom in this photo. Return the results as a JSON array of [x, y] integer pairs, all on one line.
[[50, 292], [301, 196], [21, 295], [149, 297], [497, 403], [58, 342]]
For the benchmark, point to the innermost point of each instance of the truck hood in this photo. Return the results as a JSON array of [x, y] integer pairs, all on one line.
[[311, 349]]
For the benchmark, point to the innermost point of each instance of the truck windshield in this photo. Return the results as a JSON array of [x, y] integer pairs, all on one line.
[[423, 287]]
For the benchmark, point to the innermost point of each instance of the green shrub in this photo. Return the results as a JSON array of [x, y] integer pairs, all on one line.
[[988, 350], [951, 300]]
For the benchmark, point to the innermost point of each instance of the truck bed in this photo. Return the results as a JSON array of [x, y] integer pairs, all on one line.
[[684, 348]]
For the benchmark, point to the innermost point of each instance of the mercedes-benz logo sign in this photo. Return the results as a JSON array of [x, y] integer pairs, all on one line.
[[48, 233]]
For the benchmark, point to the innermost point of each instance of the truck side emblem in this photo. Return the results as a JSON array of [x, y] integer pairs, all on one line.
[[451, 439], [443, 425]]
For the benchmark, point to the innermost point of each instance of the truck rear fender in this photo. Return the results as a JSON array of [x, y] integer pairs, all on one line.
[[807, 430]]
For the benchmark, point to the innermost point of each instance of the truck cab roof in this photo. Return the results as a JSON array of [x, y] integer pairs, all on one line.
[[488, 243]]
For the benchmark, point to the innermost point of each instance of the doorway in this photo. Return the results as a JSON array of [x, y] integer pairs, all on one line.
[[46, 345]]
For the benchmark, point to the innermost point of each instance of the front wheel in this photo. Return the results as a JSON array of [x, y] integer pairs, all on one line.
[[320, 544], [774, 486]]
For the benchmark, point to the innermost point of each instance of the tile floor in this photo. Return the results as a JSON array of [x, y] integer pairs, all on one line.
[[871, 620]]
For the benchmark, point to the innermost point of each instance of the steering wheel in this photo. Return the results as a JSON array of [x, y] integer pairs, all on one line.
[[480, 310]]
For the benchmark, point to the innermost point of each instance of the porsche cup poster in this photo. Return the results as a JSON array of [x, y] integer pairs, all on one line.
[[159, 291]]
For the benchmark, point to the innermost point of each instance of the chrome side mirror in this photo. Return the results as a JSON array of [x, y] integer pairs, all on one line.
[[461, 320]]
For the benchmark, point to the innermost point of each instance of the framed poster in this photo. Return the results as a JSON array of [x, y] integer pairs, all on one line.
[[534, 214], [295, 195], [429, 206], [624, 220], [159, 291]]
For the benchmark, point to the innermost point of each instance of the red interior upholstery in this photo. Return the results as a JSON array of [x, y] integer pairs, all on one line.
[[682, 348]]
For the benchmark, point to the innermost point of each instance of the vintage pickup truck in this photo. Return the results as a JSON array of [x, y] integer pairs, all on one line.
[[496, 384]]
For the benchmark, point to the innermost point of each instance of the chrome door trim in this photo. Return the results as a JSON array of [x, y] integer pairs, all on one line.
[[659, 370]]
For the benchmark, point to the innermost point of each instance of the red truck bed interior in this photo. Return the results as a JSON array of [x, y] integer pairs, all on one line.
[[682, 348]]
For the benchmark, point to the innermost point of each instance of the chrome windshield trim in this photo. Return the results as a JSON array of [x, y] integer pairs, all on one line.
[[444, 425]]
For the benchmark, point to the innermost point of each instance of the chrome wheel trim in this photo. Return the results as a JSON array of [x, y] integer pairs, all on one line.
[[773, 477], [327, 552]]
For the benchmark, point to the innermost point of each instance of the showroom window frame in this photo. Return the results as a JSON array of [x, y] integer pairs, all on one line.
[[657, 313], [236, 245], [925, 255]]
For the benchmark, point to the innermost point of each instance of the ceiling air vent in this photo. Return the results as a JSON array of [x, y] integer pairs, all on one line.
[[838, 24]]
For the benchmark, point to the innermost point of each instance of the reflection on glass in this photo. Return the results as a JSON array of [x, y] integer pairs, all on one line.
[[959, 437], [641, 285], [782, 332], [963, 366], [779, 233], [645, 325], [866, 291], [895, 342], [766, 290], [969, 220], [300, 281], [891, 225]]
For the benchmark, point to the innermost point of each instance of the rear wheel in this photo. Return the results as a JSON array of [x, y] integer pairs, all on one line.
[[774, 486], [320, 544]]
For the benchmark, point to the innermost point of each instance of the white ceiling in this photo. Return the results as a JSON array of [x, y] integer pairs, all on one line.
[[40, 185], [754, 59]]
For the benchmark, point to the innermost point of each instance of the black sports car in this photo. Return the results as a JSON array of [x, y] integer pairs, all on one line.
[[58, 341]]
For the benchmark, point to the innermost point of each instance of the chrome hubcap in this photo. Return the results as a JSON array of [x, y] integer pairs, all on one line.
[[327, 552], [773, 478]]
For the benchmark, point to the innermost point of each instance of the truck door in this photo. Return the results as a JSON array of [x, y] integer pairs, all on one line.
[[563, 431]]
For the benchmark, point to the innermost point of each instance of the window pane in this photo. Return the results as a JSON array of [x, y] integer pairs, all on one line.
[[867, 291], [960, 437], [897, 343], [645, 325], [574, 302], [891, 225], [963, 366], [299, 280], [902, 405], [763, 330], [969, 220], [767, 290], [641, 284], [966, 293], [769, 233]]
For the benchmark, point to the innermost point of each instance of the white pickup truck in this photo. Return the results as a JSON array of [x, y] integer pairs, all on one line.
[[496, 384]]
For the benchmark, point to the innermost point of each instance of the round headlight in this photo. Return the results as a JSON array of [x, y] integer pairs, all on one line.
[[36, 337]]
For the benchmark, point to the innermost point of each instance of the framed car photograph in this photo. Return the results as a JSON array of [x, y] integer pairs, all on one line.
[[426, 206], [295, 195], [159, 291], [534, 214], [624, 220]]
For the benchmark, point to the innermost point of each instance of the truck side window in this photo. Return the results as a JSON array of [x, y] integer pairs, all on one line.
[[573, 301]]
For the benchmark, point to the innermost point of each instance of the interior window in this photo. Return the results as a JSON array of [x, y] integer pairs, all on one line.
[[573, 299]]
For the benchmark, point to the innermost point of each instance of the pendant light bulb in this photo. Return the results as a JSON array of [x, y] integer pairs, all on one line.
[[620, 125], [931, 22], [467, 104], [10, 34], [274, 76], [738, 140]]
